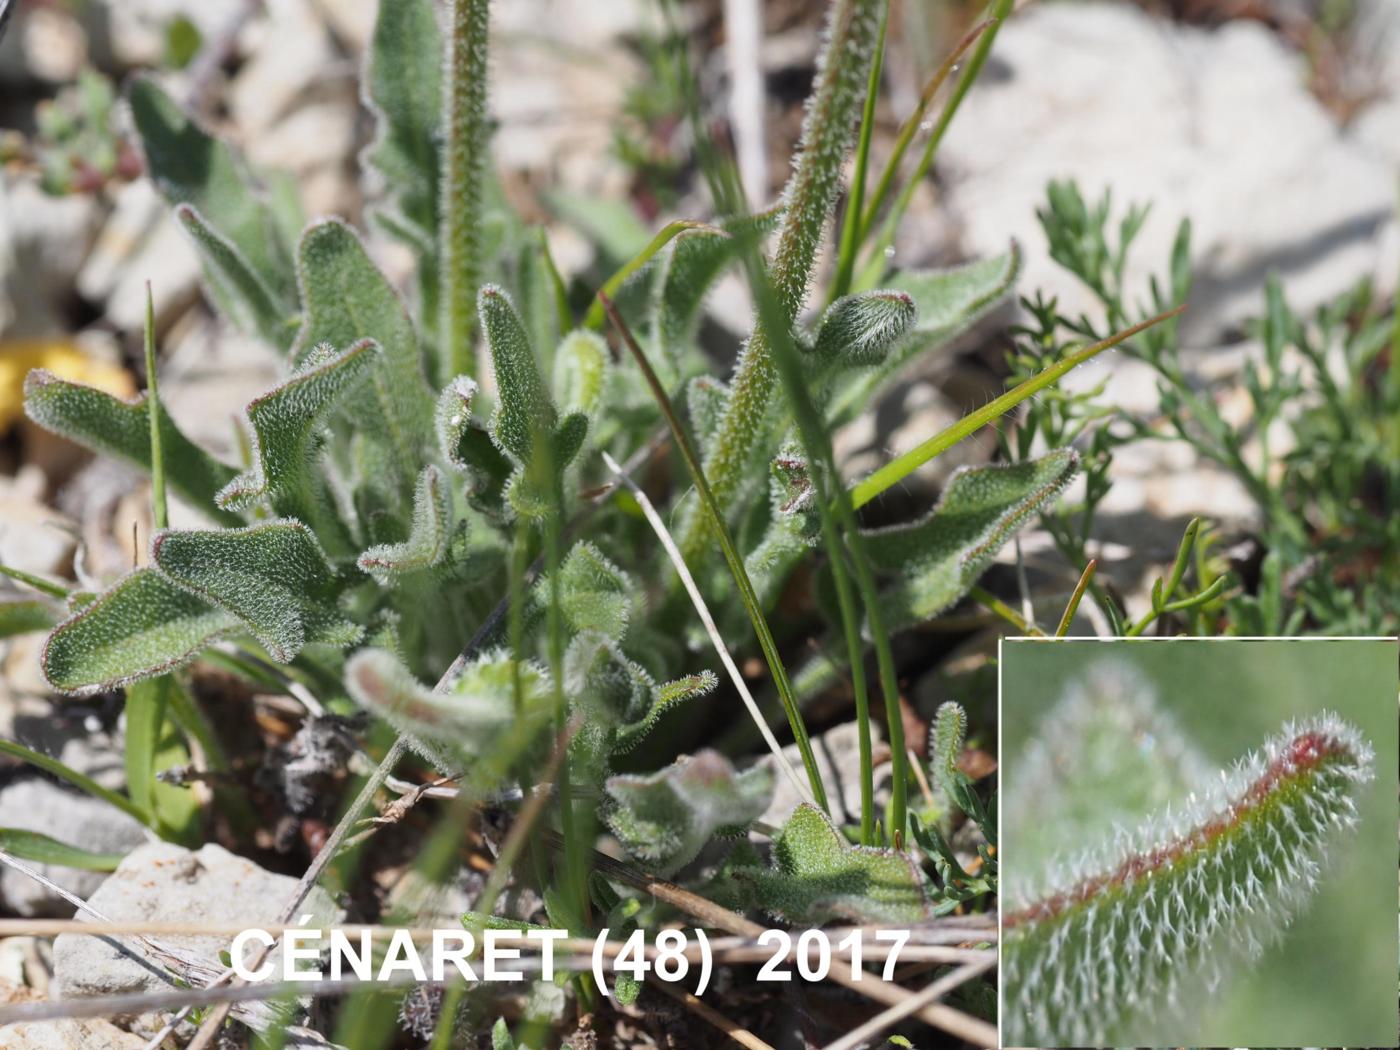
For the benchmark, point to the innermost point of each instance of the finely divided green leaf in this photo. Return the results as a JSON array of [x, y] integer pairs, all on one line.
[[666, 818], [273, 576], [109, 425], [938, 558], [142, 625]]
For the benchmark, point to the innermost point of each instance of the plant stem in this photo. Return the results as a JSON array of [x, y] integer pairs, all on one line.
[[895, 471], [731, 555], [159, 510], [464, 173], [826, 134], [852, 229]]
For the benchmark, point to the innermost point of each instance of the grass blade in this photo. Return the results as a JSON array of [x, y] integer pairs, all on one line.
[[899, 468], [597, 313], [1076, 598], [41, 849], [731, 555], [78, 780], [159, 511]]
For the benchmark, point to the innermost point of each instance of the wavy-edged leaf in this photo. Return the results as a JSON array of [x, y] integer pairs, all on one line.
[[284, 422], [142, 625], [818, 876], [429, 537], [860, 329], [663, 698], [120, 428], [190, 166], [348, 300], [273, 576], [240, 291], [665, 818], [26, 615], [1159, 915], [407, 113], [466, 446], [41, 849], [459, 723], [938, 558]]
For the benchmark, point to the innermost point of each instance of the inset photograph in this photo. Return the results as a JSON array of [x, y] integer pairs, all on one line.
[[1199, 843]]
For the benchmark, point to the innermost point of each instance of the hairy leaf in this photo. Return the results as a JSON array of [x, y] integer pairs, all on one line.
[[428, 540], [666, 818], [466, 446], [273, 576], [946, 736], [664, 697], [1161, 914], [939, 557], [819, 876], [861, 329], [594, 594], [241, 292], [705, 399], [111, 426], [525, 407], [349, 300], [189, 166], [460, 723], [142, 625], [284, 424], [580, 371]]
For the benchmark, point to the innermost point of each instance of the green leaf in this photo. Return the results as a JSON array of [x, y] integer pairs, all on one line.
[[705, 401], [594, 594], [407, 111], [349, 300], [24, 615], [83, 783], [695, 259], [861, 329], [666, 818], [460, 723], [284, 424], [938, 558], [429, 538], [524, 408], [241, 292], [580, 371], [500, 1031], [1163, 913], [143, 625], [111, 426], [946, 737], [663, 698], [39, 848], [189, 166], [274, 577], [467, 447], [819, 876], [153, 744]]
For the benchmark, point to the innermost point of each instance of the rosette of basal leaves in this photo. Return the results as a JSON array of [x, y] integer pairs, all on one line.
[[1137, 925]]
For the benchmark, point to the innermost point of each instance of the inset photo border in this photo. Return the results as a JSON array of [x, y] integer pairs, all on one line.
[[1199, 842]]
